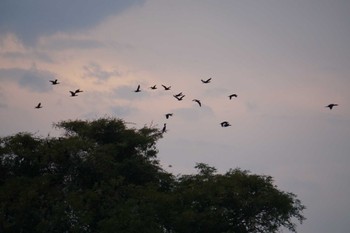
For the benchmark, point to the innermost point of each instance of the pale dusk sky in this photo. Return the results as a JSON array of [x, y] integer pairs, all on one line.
[[286, 60]]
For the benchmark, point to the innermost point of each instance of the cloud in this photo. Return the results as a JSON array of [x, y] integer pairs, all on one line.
[[63, 42], [13, 49], [32, 79], [31, 19], [94, 70], [26, 55]]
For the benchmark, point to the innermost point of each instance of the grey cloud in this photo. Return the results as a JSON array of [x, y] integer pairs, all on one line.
[[29, 19], [20, 55], [94, 70], [32, 79], [72, 43]]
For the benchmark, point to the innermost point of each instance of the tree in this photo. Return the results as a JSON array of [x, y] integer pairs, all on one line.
[[233, 202], [101, 176]]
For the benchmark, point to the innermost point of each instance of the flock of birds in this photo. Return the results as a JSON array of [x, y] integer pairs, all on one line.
[[55, 82], [178, 96]]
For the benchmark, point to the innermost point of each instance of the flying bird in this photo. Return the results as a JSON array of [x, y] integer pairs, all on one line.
[[198, 101], [206, 81], [179, 98], [138, 89], [233, 95], [78, 91], [164, 128], [225, 124], [168, 115], [166, 88], [330, 106], [178, 95], [73, 93], [54, 82], [39, 105], [153, 87]]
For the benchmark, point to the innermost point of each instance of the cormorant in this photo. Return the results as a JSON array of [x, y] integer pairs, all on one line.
[[38, 106], [178, 95], [206, 81], [225, 124], [164, 128], [78, 91], [54, 82], [73, 93], [330, 106], [198, 101], [233, 95], [166, 88], [138, 89], [179, 98]]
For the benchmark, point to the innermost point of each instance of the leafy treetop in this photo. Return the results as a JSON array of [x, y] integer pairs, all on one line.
[[102, 176]]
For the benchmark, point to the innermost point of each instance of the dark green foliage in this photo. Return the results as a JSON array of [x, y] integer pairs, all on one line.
[[104, 177], [233, 202]]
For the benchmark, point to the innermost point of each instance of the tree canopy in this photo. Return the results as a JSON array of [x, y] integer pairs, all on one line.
[[101, 176]]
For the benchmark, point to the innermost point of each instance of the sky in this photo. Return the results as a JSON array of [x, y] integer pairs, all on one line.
[[285, 60]]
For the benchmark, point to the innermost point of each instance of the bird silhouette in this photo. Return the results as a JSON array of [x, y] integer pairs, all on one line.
[[166, 88], [225, 124], [198, 101], [178, 95], [168, 115], [78, 91], [54, 82], [39, 105], [164, 128], [330, 106], [73, 93], [233, 95], [138, 89], [179, 98], [206, 81], [153, 87]]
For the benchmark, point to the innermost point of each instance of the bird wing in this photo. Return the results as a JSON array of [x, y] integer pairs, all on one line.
[[198, 101]]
